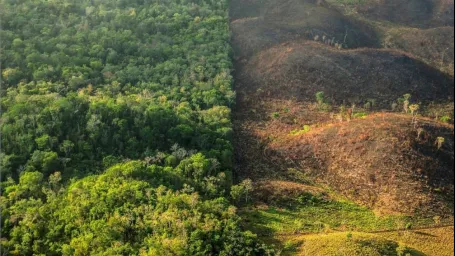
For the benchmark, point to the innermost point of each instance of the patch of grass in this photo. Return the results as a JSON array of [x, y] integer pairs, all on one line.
[[436, 241], [313, 214], [360, 115], [291, 246], [358, 245], [306, 128]]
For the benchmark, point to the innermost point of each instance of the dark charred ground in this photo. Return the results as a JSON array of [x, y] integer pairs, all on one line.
[[279, 68]]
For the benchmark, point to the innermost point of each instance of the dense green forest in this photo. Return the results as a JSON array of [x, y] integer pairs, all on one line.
[[116, 129]]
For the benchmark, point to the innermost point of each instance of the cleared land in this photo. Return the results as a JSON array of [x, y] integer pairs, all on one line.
[[354, 162]]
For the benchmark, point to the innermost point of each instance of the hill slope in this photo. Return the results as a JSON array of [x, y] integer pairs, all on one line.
[[298, 152], [300, 69]]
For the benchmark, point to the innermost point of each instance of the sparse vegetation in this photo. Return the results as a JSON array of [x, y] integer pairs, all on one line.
[[293, 65], [360, 115], [359, 245], [306, 128]]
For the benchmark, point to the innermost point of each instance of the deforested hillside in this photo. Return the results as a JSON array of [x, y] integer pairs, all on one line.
[[281, 21], [344, 123], [434, 45], [300, 69], [419, 13], [423, 28], [379, 161]]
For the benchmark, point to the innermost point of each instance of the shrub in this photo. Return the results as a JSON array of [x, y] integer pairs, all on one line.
[[445, 119], [414, 108], [320, 98], [308, 199], [306, 128], [290, 246], [406, 102], [360, 115]]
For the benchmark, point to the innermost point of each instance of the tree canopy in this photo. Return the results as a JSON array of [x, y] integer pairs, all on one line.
[[116, 129]]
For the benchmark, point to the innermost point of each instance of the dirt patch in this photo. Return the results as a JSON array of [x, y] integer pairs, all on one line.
[[433, 241]]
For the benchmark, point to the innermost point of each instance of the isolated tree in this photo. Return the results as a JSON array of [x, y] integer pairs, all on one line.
[[406, 102], [414, 108], [440, 142], [320, 98]]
